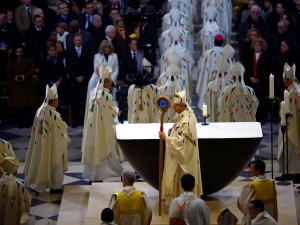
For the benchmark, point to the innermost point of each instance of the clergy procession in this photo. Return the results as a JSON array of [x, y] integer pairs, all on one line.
[[110, 62]]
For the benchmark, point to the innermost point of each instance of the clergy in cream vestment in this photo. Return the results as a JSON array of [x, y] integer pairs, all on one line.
[[99, 145]]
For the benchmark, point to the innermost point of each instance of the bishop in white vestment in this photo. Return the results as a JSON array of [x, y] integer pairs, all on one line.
[[47, 155], [99, 145]]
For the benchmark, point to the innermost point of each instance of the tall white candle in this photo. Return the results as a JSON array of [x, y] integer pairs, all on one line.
[[282, 114], [286, 101], [271, 84], [204, 110]]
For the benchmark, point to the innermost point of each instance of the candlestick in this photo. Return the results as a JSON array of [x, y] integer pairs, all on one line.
[[282, 114], [271, 89], [286, 101], [204, 110]]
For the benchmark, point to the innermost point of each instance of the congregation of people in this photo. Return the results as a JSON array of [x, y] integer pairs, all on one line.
[[99, 57]]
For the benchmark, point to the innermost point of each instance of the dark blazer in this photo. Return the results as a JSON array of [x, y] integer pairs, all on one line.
[[87, 40], [98, 35], [128, 66], [35, 42], [82, 20], [58, 18], [50, 73], [76, 67]]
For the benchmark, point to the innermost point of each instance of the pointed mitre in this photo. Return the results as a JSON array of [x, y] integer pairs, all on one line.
[[174, 58], [222, 65], [172, 70], [228, 51], [175, 15], [147, 65], [51, 93], [10, 164], [174, 3], [237, 69], [226, 217], [180, 97], [105, 71], [211, 13], [286, 67], [175, 33], [290, 73]]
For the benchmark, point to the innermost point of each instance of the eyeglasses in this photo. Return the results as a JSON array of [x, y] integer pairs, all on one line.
[[280, 26], [255, 13]]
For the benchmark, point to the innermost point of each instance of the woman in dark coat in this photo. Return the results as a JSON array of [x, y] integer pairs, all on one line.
[[22, 94], [257, 71]]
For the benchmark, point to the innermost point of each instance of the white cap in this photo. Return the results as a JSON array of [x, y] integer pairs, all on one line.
[[175, 15], [228, 51], [172, 70], [221, 68], [105, 71], [222, 65], [226, 217], [51, 93], [289, 72], [175, 34], [238, 69], [174, 3], [180, 97], [10, 164], [211, 13], [174, 58], [147, 65]]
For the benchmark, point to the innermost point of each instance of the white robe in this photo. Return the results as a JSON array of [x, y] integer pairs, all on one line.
[[206, 67], [98, 60], [235, 107], [224, 18], [181, 156], [142, 104], [99, 145], [185, 40], [184, 22], [14, 200], [6, 148], [46, 158], [206, 36], [186, 65], [133, 219], [249, 193], [198, 213], [169, 90], [293, 135], [213, 92], [263, 218]]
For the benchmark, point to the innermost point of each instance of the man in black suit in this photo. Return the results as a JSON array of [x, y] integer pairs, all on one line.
[[129, 61], [85, 18], [63, 16], [87, 38], [110, 32], [112, 14], [97, 31], [79, 63], [36, 39]]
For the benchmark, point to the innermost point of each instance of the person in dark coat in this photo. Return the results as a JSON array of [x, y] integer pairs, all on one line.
[[22, 94], [257, 71], [52, 70], [85, 18], [36, 39], [97, 31], [63, 16], [79, 64], [110, 32]]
